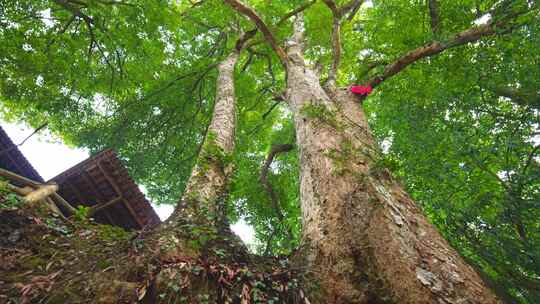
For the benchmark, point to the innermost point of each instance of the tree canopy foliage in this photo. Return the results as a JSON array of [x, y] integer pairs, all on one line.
[[461, 129]]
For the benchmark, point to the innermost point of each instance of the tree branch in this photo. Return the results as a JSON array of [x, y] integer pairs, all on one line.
[[278, 99], [430, 49], [252, 15], [355, 9], [435, 16], [241, 43], [286, 17], [263, 178], [295, 12], [75, 11], [336, 43], [519, 96], [43, 126], [436, 47], [337, 14], [353, 6], [333, 7]]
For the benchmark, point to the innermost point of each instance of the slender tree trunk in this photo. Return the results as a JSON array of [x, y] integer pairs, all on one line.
[[206, 189], [199, 220], [198, 229], [364, 240]]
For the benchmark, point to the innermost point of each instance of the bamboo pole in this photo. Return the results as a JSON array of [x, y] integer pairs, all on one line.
[[35, 185], [41, 193]]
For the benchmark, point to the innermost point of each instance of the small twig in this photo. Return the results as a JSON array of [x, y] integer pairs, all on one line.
[[25, 140], [435, 16], [263, 178], [278, 101], [295, 12]]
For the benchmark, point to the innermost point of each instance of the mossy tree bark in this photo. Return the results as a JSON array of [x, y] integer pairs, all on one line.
[[364, 240], [207, 186], [198, 225]]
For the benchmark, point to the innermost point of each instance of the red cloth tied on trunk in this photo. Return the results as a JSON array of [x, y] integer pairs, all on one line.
[[361, 90]]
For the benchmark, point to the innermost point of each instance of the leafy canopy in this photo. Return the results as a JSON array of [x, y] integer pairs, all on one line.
[[139, 77]]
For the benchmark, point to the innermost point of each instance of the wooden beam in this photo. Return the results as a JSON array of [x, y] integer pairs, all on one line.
[[119, 193], [54, 207], [35, 185], [20, 191], [18, 178], [58, 199], [96, 208]]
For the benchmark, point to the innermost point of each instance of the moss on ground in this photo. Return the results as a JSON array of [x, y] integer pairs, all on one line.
[[47, 259]]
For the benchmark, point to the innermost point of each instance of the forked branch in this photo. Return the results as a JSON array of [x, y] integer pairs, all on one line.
[[295, 12], [337, 18], [259, 23]]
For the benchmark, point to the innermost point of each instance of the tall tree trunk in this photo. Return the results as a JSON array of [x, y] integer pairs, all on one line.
[[364, 240], [206, 189], [199, 223]]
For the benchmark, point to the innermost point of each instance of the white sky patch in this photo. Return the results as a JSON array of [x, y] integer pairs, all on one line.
[[505, 175], [483, 20], [244, 231], [535, 139], [277, 126], [100, 104], [50, 157], [365, 53], [40, 81], [46, 18], [47, 155], [163, 211], [275, 166], [27, 47], [65, 91], [447, 115], [386, 143], [156, 111], [142, 35]]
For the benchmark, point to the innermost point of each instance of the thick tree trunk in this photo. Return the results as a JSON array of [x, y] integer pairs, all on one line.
[[364, 240]]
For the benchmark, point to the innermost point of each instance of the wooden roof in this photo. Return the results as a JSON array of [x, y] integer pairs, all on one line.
[[13, 160], [103, 180], [100, 180]]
